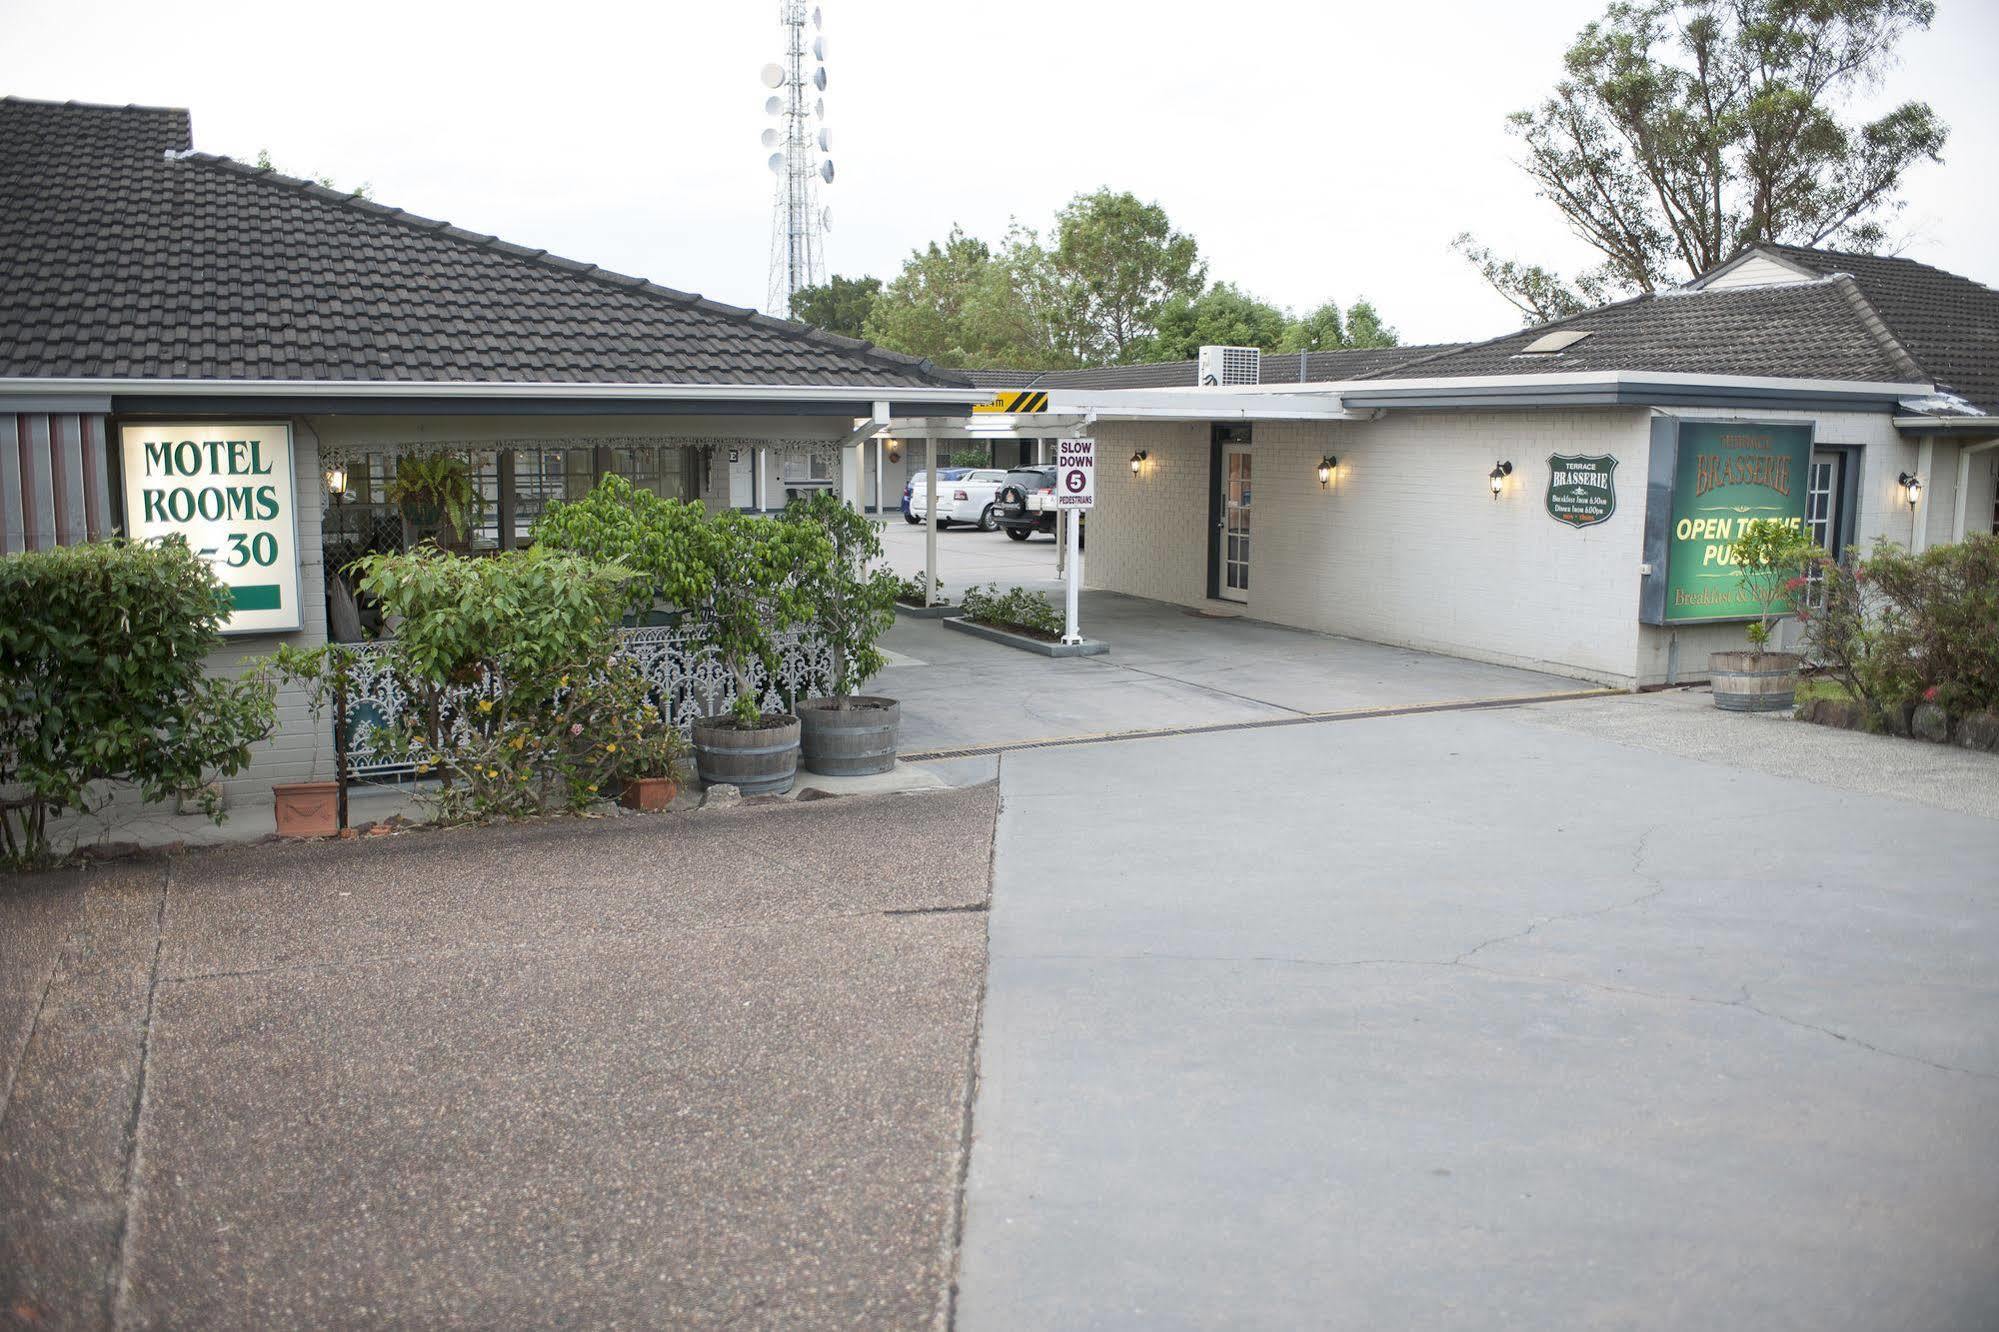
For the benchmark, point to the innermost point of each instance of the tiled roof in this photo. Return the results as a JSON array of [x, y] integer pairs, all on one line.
[[128, 256], [1949, 324], [1814, 330], [1278, 368]]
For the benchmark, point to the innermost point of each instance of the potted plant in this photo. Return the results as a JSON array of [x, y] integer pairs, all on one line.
[[1771, 558], [327, 674], [435, 494], [845, 734], [763, 583], [655, 767]]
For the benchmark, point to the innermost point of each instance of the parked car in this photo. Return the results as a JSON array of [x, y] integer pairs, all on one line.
[[918, 482], [968, 500], [1025, 503]]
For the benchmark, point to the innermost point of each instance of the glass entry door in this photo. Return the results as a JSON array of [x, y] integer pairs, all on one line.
[[1234, 582]]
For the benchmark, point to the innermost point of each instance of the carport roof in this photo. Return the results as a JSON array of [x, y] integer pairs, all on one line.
[[133, 257], [1321, 367]]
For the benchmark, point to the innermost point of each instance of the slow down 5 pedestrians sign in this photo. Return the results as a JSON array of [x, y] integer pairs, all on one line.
[[1075, 473]]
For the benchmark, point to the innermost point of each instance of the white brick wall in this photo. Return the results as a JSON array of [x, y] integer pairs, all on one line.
[[1407, 545]]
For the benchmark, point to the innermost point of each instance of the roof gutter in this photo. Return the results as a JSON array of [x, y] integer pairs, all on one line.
[[1948, 425]]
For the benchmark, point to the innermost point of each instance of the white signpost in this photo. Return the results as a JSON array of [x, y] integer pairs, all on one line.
[[1075, 492], [226, 487]]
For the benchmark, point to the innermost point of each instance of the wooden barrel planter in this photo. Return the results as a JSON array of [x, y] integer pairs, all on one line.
[[850, 741], [763, 761], [1754, 681]]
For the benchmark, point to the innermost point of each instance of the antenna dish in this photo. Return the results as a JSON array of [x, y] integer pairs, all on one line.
[[826, 218], [816, 21], [825, 136], [826, 171], [776, 163], [819, 48], [819, 78], [773, 75], [819, 108], [770, 138], [773, 106]]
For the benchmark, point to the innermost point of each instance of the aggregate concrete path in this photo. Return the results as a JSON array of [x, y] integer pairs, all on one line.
[[1554, 1017], [683, 1070]]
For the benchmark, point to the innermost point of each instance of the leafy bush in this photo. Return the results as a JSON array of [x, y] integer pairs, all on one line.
[[553, 718], [666, 544], [1897, 628], [1771, 559], [764, 584], [909, 591], [856, 596], [1015, 608], [102, 680]]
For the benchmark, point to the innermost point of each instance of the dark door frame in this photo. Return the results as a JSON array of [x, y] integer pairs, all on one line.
[[1219, 435]]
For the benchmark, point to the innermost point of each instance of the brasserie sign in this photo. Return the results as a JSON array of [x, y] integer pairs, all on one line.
[[1726, 475], [226, 489], [1582, 488]]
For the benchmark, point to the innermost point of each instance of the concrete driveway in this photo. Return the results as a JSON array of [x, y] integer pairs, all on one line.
[[1168, 667], [1560, 1016], [683, 1070]]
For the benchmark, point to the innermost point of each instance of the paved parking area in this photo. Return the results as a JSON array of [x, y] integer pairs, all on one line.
[[1580, 1014], [1168, 666], [967, 557], [684, 1070]]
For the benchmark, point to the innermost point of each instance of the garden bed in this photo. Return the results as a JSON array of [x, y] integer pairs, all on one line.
[[922, 612], [1027, 640], [1826, 702]]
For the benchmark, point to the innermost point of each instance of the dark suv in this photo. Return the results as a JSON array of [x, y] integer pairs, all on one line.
[[1025, 503]]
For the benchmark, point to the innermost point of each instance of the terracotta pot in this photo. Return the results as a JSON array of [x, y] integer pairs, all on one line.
[[649, 795], [307, 809]]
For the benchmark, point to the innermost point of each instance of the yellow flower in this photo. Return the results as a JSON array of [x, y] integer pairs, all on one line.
[[591, 787], [492, 772], [519, 741], [610, 749], [563, 683], [485, 705]]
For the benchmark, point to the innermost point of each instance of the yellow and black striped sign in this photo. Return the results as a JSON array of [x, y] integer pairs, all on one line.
[[1016, 401]]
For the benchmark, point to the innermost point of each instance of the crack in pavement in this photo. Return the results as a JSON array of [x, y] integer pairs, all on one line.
[[1637, 868], [119, 1289]]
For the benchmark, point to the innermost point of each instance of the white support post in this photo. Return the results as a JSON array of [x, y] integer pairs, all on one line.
[[759, 484], [1919, 537], [881, 457], [930, 521], [1961, 516], [1071, 632]]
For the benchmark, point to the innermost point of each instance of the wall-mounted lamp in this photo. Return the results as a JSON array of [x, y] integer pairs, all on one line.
[[1497, 476], [336, 479], [1327, 466], [1138, 461], [1912, 485]]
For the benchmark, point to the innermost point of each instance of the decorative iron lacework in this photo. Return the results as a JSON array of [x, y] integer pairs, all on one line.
[[686, 679]]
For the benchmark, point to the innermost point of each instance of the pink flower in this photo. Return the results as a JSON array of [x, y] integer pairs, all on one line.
[[576, 728], [1930, 694]]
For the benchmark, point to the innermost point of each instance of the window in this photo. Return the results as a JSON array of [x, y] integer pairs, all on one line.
[[1551, 344]]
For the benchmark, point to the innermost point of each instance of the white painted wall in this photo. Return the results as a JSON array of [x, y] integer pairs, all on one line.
[[1758, 270], [1407, 545]]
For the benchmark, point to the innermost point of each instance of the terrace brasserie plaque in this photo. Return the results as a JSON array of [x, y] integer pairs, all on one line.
[[1582, 488]]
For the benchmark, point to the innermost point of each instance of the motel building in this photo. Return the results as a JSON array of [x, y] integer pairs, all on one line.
[[192, 345], [1559, 498]]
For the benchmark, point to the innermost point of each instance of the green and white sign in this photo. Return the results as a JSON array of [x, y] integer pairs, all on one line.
[[226, 488], [1582, 488], [1727, 474]]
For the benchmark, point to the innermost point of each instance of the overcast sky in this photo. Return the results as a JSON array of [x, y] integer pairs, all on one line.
[[1317, 150]]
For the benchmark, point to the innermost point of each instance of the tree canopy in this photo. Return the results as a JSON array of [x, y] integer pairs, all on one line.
[[1117, 283], [1684, 130], [838, 305]]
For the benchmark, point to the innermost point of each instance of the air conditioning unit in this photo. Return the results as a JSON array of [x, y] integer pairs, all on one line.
[[1230, 365]]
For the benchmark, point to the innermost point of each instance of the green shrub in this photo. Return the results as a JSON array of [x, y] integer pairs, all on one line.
[[764, 583], [552, 717], [909, 591], [855, 596], [1896, 628], [1015, 608], [667, 544], [102, 680]]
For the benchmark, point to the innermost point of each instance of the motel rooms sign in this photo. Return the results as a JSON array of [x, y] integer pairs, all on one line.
[[226, 489]]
